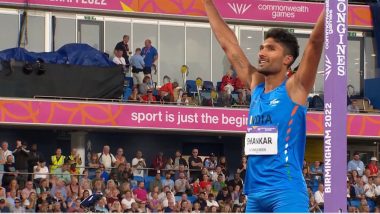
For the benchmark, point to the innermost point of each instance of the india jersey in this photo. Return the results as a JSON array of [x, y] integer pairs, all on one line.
[[282, 170]]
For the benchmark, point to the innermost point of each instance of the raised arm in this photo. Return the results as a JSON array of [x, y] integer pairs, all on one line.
[[230, 45], [303, 81]]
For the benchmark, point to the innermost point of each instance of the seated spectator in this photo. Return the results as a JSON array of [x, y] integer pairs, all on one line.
[[63, 173], [184, 204], [211, 162], [181, 168], [372, 166], [145, 86], [93, 165], [218, 171], [4, 208], [219, 184], [31, 203], [227, 87], [18, 208], [154, 203], [106, 158], [316, 172], [127, 200], [140, 193], [169, 166], [211, 201], [242, 168], [11, 197], [181, 184], [363, 208], [366, 176], [202, 201], [119, 59], [205, 181], [40, 171], [28, 188], [243, 90], [196, 208], [57, 160], [313, 206], [100, 206], [319, 196], [307, 177], [74, 160], [167, 91], [359, 189], [112, 192], [236, 181], [135, 96], [168, 196], [369, 189], [224, 165], [74, 207], [148, 98], [137, 63], [156, 182], [168, 181], [224, 196], [58, 188], [182, 98], [99, 187], [73, 188], [196, 187], [116, 207], [43, 186], [171, 208], [235, 195]]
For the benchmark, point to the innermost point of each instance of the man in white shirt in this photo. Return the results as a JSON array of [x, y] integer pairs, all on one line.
[[319, 195], [369, 189], [40, 170], [4, 147], [137, 164], [106, 158], [377, 183], [118, 59]]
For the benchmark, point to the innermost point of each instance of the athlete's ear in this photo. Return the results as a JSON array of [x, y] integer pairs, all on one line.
[[288, 59]]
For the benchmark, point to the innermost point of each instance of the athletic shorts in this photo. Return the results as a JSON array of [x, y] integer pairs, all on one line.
[[279, 201]]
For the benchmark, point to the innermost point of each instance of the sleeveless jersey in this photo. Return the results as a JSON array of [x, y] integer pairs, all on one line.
[[284, 170]]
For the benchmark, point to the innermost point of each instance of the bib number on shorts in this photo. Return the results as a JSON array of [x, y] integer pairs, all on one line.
[[261, 140]]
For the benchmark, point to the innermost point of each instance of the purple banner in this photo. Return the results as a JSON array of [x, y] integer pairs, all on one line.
[[335, 141]]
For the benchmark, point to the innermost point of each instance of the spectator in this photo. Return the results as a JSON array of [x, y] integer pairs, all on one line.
[[316, 172], [28, 189], [313, 206], [138, 64], [242, 167], [224, 196], [150, 55], [319, 196], [235, 195], [218, 171], [93, 165], [372, 166], [169, 166], [57, 160], [74, 160], [224, 165], [75, 207], [236, 181], [116, 207], [58, 190], [196, 164], [156, 182], [120, 158], [307, 177], [179, 160], [243, 90], [145, 86], [10, 170], [112, 192], [127, 200], [211, 162], [101, 206], [366, 176], [227, 87], [182, 98], [167, 91], [135, 97], [21, 155], [181, 184], [63, 173], [356, 164], [43, 186], [218, 184], [11, 198], [34, 157], [168, 181], [140, 193], [118, 59], [138, 163], [166, 196], [369, 189], [2, 162], [73, 189], [123, 45], [31, 203], [171, 208], [202, 201], [40, 171], [18, 208], [159, 162], [211, 202], [4, 208], [106, 158], [149, 98], [4, 147], [359, 189], [377, 189], [205, 181]]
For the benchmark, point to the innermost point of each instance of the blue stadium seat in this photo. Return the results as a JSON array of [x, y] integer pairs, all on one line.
[[218, 85], [138, 178], [147, 181], [177, 198], [208, 85], [355, 203], [192, 198], [127, 92], [191, 87], [128, 82]]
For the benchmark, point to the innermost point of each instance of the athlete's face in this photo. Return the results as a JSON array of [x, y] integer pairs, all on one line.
[[272, 58]]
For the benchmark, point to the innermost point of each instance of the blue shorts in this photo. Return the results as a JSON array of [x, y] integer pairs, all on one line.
[[282, 201]]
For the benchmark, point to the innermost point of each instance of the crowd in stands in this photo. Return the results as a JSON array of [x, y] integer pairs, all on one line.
[[31, 183], [363, 185]]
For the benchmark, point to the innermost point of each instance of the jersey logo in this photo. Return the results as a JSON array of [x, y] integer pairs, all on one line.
[[274, 102]]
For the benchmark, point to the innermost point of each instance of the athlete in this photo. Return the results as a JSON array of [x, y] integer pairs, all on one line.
[[276, 132]]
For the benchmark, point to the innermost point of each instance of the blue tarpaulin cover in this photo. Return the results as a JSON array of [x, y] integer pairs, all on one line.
[[73, 54]]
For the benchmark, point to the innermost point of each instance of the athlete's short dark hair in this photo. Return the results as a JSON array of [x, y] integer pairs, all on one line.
[[287, 39]]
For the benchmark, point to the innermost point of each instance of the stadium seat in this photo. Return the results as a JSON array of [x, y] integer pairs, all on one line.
[[191, 87], [208, 85], [147, 181], [128, 82], [218, 85]]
